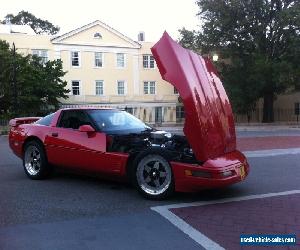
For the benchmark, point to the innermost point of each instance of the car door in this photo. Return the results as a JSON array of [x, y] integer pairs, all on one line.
[[70, 148]]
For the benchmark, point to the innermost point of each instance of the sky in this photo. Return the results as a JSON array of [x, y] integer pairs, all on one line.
[[128, 17]]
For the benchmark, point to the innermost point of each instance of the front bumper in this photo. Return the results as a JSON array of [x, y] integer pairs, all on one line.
[[222, 171]]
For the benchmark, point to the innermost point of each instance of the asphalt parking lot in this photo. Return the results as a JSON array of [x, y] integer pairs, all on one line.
[[75, 212]]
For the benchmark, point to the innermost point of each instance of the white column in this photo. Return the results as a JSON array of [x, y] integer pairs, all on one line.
[[136, 75], [57, 54]]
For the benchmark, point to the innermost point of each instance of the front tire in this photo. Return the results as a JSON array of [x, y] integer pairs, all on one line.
[[154, 177], [35, 161]]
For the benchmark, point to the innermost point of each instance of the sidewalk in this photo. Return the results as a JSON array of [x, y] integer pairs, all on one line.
[[266, 127], [269, 142], [241, 127]]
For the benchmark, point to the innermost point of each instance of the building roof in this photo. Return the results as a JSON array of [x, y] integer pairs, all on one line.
[[14, 28], [58, 39]]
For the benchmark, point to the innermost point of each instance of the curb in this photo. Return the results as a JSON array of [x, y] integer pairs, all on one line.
[[242, 128]]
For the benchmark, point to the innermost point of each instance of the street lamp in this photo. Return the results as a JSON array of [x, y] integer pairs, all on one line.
[[215, 57]]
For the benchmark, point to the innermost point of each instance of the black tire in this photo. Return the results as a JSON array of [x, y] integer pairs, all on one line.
[[35, 161], [152, 175]]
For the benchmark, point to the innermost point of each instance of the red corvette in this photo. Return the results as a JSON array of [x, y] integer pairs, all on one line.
[[116, 144]]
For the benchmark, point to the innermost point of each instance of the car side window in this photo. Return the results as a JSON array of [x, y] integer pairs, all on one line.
[[73, 119], [46, 121]]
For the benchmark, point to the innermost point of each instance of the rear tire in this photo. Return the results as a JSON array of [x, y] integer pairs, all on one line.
[[35, 161], [153, 176]]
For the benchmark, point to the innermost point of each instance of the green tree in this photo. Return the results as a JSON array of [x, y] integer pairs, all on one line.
[[260, 43], [5, 76], [39, 86], [39, 26], [189, 39]]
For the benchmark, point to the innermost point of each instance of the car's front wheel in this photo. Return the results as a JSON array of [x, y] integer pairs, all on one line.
[[35, 161], [154, 177]]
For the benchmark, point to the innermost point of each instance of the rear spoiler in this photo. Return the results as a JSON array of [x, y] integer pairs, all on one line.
[[23, 120]]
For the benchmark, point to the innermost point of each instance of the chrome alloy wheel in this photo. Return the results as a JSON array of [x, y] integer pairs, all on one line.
[[32, 160], [154, 175]]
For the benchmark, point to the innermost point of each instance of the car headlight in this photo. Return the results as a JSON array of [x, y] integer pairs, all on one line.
[[168, 135]]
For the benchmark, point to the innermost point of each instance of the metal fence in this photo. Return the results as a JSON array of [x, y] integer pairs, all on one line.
[[4, 123], [280, 115]]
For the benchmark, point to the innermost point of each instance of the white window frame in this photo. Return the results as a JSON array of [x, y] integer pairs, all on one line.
[[80, 87], [124, 65], [79, 58], [39, 54], [102, 81], [148, 61], [149, 87], [102, 59], [125, 87]]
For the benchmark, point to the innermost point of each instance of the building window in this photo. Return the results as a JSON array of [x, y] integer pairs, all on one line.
[[75, 88], [158, 115], [99, 87], [149, 88], [98, 59], [75, 59], [120, 60], [175, 91], [42, 54], [148, 62], [98, 35], [179, 113], [121, 87]]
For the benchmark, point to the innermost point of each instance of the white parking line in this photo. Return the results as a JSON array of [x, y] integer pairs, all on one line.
[[197, 236], [272, 152], [200, 238]]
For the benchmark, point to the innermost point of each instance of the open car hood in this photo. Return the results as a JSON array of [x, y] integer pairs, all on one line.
[[209, 125]]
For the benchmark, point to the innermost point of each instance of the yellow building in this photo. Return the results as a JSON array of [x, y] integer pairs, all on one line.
[[104, 68]]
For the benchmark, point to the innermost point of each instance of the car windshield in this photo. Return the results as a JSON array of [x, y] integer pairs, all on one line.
[[115, 121]]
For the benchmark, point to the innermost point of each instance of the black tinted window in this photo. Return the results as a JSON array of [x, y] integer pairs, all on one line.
[[46, 121], [74, 119]]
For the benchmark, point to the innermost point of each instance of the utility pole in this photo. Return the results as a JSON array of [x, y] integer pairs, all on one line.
[[14, 82]]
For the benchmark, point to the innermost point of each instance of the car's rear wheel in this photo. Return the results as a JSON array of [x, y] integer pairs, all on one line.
[[35, 161], [154, 177]]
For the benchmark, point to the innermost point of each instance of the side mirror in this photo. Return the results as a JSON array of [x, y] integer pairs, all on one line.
[[86, 128]]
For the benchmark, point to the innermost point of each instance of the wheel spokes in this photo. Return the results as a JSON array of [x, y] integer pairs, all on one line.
[[32, 160], [154, 175], [156, 165], [38, 156], [148, 179], [147, 168]]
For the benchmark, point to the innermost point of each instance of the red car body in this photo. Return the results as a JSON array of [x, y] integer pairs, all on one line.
[[209, 129]]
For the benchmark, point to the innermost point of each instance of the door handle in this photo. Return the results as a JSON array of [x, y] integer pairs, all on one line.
[[54, 134]]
